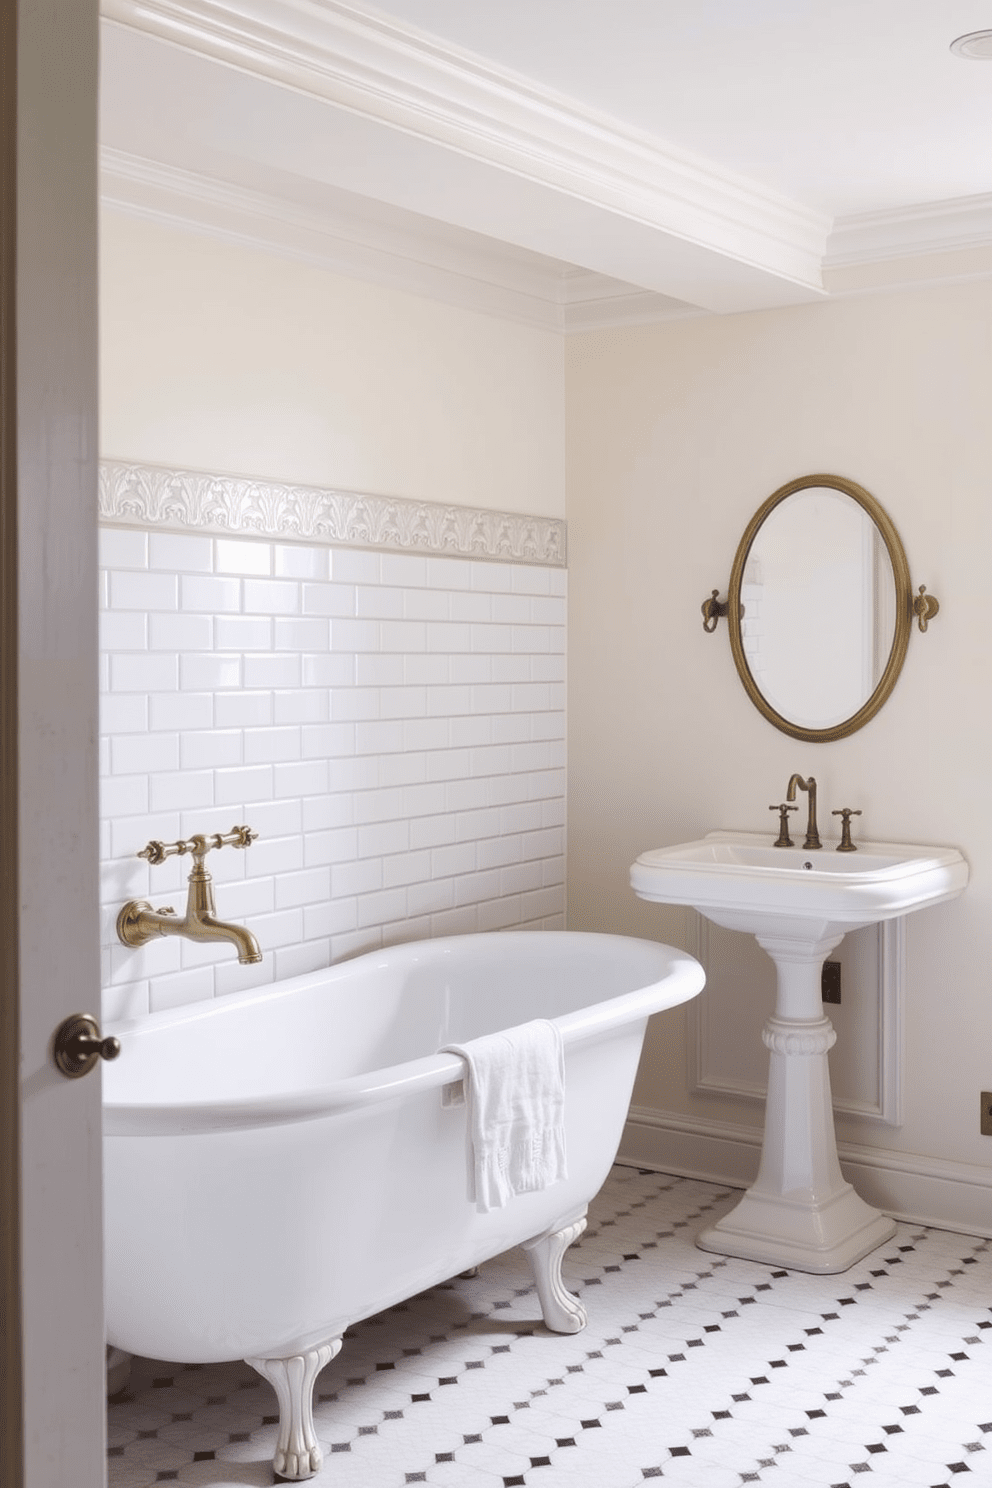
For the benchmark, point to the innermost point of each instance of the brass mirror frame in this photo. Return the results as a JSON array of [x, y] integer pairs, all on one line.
[[904, 609]]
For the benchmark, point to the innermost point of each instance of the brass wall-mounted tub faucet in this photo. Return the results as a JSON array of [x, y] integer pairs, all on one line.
[[138, 923], [809, 786]]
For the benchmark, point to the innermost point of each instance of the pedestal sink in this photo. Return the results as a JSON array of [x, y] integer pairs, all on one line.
[[800, 1212]]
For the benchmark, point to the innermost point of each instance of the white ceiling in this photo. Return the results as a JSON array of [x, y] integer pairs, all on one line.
[[568, 162], [845, 105]]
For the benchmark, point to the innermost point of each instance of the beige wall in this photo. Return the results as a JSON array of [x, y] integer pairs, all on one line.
[[674, 436], [221, 358]]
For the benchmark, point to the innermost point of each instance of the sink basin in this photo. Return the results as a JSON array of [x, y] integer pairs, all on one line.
[[739, 880], [798, 904]]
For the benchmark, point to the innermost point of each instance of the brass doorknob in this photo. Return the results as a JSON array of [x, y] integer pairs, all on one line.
[[78, 1045]]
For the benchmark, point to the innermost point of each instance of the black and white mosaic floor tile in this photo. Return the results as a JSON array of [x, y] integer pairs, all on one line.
[[695, 1369]]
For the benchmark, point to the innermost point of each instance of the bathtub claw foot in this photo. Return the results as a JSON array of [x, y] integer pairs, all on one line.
[[562, 1312], [297, 1455]]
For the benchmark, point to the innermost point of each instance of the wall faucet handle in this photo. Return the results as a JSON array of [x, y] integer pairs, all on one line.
[[199, 846], [845, 844], [783, 839]]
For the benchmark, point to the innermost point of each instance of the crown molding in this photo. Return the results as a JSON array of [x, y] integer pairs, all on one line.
[[603, 305], [136, 495], [413, 254], [661, 219], [930, 228], [873, 254], [939, 243], [428, 259], [398, 77]]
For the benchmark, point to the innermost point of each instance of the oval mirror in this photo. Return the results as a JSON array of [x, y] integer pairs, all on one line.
[[819, 608]]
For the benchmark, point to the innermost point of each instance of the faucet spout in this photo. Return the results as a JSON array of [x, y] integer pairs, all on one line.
[[138, 923], [244, 942], [809, 786], [201, 922]]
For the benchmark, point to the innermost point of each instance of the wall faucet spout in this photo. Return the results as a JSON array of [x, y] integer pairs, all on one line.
[[809, 786]]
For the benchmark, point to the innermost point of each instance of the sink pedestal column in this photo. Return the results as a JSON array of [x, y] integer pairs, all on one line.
[[800, 1212]]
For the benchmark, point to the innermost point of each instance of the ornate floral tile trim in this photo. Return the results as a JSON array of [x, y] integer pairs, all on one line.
[[190, 500]]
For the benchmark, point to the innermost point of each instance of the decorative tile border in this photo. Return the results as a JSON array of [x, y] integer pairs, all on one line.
[[181, 500]]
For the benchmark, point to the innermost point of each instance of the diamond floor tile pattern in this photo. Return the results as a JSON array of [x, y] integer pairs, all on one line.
[[695, 1369]]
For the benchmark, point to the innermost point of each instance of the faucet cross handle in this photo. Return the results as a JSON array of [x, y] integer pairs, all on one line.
[[199, 846], [845, 844], [783, 839]]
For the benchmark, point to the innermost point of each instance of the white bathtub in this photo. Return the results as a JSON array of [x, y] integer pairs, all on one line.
[[279, 1164]]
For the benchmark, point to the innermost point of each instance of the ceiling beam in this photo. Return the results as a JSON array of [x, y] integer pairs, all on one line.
[[385, 111]]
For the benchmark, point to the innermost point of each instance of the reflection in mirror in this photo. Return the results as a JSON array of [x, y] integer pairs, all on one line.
[[819, 601]]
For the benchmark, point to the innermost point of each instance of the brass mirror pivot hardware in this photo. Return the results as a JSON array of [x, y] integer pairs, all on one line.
[[845, 844], [925, 607], [812, 839], [783, 808], [78, 1045], [199, 846], [714, 610]]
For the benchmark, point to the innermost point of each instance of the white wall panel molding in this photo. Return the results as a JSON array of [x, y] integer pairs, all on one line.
[[907, 1185], [377, 70], [875, 1094], [185, 500]]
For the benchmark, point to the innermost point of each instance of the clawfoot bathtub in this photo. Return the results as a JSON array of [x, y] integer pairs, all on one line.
[[280, 1165]]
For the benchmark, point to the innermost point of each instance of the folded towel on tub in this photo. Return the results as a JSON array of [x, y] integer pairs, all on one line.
[[515, 1089]]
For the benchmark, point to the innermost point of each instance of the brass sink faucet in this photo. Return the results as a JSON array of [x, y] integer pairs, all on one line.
[[138, 922], [808, 785]]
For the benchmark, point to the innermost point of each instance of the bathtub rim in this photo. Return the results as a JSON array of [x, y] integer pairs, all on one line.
[[680, 978]]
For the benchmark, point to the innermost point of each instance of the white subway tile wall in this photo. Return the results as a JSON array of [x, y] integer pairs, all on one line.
[[392, 725]]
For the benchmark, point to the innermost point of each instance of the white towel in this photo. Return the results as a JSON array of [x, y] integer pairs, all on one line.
[[515, 1088]]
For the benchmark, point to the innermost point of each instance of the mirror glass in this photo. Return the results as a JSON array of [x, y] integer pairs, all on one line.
[[819, 585]]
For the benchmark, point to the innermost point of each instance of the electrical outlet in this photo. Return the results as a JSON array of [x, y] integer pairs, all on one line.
[[830, 982], [986, 1116]]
